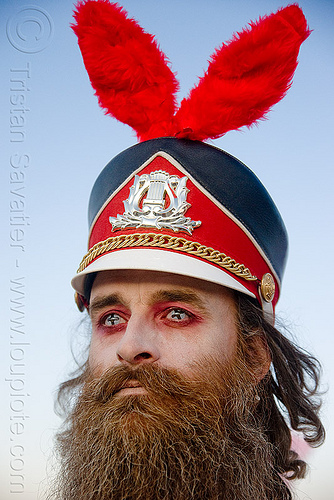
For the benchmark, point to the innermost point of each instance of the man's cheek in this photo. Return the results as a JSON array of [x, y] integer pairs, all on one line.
[[100, 357]]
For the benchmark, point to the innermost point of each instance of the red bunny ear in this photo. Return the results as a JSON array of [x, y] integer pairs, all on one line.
[[126, 68], [245, 78], [133, 82]]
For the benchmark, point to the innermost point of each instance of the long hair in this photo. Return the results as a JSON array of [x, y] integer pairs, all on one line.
[[289, 393]]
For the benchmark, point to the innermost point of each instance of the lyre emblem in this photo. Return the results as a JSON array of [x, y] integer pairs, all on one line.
[[156, 200]]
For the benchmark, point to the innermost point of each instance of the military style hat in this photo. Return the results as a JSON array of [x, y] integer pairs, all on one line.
[[173, 203]]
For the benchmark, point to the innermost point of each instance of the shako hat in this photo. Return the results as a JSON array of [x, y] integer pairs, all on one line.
[[173, 203]]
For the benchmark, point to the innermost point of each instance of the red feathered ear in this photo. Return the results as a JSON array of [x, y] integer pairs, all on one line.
[[245, 78], [133, 82], [126, 68]]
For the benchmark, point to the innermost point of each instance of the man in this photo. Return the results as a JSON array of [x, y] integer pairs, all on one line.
[[189, 391]]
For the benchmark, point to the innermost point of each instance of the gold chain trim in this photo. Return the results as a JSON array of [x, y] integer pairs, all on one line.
[[170, 242]]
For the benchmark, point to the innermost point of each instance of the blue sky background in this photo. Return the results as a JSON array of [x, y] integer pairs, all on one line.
[[68, 140]]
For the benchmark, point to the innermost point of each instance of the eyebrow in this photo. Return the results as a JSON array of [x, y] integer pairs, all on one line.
[[104, 301], [178, 295]]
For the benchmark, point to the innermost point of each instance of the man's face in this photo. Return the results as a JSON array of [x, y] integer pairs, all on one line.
[[166, 404], [141, 317]]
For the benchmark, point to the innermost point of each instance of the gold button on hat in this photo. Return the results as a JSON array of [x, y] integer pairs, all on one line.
[[267, 287]]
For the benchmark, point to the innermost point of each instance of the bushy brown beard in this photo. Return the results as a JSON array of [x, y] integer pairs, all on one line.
[[184, 439]]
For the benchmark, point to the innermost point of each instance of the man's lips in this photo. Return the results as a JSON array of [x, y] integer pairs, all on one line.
[[131, 383], [131, 387]]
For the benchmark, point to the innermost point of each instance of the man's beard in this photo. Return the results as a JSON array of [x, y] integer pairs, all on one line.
[[184, 439]]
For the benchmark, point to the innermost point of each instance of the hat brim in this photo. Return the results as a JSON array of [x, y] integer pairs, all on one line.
[[158, 260]]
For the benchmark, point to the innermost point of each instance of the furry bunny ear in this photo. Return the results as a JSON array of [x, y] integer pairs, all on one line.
[[134, 83], [127, 70], [245, 77]]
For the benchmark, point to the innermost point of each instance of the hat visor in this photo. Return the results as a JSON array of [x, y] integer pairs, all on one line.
[[158, 260]]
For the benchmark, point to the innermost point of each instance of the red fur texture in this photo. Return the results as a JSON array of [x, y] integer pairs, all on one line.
[[246, 76], [127, 70], [134, 83]]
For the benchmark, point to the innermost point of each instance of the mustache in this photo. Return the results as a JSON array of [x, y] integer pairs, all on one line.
[[210, 387], [156, 380]]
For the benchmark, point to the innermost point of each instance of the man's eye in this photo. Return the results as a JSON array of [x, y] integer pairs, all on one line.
[[177, 314], [112, 319]]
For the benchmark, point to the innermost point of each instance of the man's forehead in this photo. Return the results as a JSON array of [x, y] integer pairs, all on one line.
[[159, 286]]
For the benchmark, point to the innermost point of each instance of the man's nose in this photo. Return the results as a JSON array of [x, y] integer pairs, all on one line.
[[139, 343]]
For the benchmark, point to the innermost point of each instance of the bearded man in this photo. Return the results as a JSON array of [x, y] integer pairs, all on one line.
[[189, 391]]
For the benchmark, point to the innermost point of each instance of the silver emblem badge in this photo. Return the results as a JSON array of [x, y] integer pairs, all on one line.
[[156, 200]]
